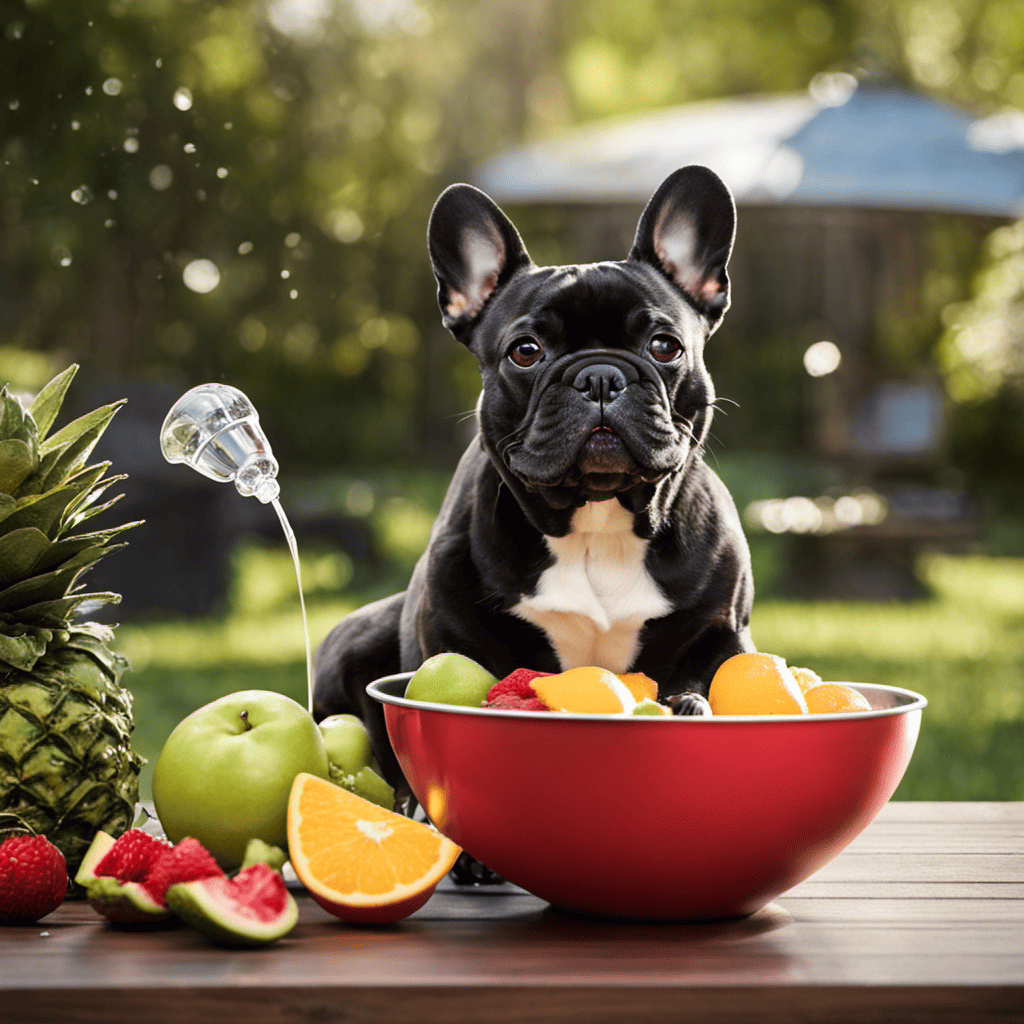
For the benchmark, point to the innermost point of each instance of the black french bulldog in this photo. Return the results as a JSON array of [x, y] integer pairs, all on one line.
[[582, 526]]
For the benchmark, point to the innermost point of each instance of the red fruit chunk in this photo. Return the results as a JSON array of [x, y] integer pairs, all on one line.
[[510, 702], [132, 857], [33, 879], [257, 892], [515, 684], [189, 861]]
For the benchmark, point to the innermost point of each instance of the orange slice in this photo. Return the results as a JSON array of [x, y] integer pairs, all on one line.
[[642, 687], [587, 691], [360, 862], [829, 698], [755, 684], [805, 678]]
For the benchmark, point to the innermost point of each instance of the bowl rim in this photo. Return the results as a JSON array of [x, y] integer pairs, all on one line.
[[914, 702]]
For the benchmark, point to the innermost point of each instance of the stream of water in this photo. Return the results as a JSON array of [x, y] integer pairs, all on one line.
[[293, 547]]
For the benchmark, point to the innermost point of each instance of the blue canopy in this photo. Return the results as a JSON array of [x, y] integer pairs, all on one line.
[[867, 146]]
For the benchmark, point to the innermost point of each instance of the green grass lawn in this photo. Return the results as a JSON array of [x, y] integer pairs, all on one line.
[[963, 649]]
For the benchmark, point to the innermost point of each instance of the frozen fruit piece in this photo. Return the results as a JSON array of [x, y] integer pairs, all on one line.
[[251, 909], [651, 707], [642, 687], [189, 861], [516, 684], [510, 702], [829, 698], [805, 678], [755, 684], [33, 879], [586, 690]]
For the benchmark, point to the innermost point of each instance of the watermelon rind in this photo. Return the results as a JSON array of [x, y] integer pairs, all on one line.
[[125, 902], [98, 848], [198, 905]]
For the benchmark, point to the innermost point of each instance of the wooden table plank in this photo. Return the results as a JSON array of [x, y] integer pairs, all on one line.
[[920, 920]]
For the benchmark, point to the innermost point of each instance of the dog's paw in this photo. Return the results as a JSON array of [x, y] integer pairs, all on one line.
[[689, 704], [469, 871]]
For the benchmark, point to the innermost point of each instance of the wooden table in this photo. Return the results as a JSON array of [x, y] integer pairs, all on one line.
[[920, 920]]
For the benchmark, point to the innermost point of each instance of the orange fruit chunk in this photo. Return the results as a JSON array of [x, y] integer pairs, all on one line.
[[587, 691], [826, 698], [360, 862], [755, 684], [642, 687], [805, 678]]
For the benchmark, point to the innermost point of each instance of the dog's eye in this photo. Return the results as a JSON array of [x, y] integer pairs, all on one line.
[[526, 352], [665, 348]]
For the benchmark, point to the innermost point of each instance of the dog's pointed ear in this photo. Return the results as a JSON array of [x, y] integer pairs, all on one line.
[[687, 232], [474, 249]]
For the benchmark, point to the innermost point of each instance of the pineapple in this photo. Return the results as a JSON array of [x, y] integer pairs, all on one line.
[[67, 767]]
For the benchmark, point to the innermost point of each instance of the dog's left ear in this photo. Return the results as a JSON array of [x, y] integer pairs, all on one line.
[[474, 250], [687, 232]]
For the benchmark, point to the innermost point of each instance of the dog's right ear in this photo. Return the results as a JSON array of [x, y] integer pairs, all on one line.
[[474, 249]]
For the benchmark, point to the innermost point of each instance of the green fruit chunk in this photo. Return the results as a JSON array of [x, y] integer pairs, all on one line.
[[259, 852], [367, 784], [124, 902], [451, 679], [98, 848], [252, 909], [650, 707], [347, 742]]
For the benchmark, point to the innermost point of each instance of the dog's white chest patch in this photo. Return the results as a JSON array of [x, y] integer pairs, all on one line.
[[593, 602]]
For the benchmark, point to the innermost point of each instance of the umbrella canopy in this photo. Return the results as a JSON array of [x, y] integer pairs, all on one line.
[[872, 146]]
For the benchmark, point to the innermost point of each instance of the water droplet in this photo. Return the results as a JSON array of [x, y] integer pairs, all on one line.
[[161, 177], [65, 261], [294, 293], [131, 145], [61, 254], [222, 172], [201, 276], [190, 147], [245, 248], [108, 223], [14, 104], [201, 194], [35, 181], [183, 98], [15, 30], [88, 90], [292, 239], [75, 125], [159, 62], [112, 86], [112, 193], [228, 125], [286, 274], [82, 195]]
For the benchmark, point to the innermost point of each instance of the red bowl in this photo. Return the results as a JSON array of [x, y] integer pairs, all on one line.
[[654, 818]]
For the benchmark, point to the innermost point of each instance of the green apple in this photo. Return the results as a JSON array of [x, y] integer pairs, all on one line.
[[451, 679], [347, 742], [225, 773]]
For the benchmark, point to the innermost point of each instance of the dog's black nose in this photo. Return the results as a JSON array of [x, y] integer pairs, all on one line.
[[601, 382]]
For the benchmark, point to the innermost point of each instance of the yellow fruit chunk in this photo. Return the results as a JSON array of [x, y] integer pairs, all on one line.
[[359, 861], [755, 684], [826, 698], [642, 687], [805, 678], [587, 691]]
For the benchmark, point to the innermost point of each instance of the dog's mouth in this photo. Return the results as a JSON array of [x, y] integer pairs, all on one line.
[[604, 465]]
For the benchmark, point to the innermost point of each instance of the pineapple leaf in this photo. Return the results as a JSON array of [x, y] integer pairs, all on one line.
[[14, 424], [48, 402], [56, 553], [17, 461], [33, 483], [44, 511], [73, 456], [76, 428], [51, 585], [89, 512], [24, 648], [19, 552], [55, 614]]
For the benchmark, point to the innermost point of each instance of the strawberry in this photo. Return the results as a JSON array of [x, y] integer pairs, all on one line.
[[189, 861], [33, 879]]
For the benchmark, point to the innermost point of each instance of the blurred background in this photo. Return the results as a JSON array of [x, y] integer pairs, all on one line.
[[239, 192]]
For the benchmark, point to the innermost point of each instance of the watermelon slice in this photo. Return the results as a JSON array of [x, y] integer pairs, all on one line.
[[126, 880], [251, 909]]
